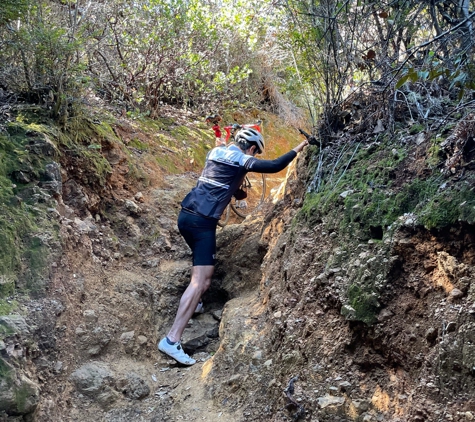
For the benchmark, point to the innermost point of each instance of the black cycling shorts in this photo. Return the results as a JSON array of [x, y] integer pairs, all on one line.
[[200, 234]]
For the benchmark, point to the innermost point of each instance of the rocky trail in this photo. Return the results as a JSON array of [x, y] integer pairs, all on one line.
[[111, 305]]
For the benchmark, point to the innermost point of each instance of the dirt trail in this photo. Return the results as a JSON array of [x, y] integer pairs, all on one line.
[[115, 311]]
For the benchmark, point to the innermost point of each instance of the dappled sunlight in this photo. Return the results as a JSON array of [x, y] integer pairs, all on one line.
[[207, 367], [381, 399], [257, 309], [352, 411], [278, 191], [444, 275]]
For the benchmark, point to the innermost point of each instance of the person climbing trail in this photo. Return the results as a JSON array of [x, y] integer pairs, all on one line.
[[224, 171]]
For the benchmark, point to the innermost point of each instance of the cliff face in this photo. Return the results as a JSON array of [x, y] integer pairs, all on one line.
[[347, 296]]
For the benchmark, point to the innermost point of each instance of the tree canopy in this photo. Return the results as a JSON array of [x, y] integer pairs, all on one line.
[[199, 54]]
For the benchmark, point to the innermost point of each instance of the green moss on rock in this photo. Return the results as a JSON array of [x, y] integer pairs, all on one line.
[[364, 302]]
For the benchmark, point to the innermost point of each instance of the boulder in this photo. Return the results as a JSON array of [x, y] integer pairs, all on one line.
[[200, 332], [134, 387], [92, 379], [18, 394], [13, 324]]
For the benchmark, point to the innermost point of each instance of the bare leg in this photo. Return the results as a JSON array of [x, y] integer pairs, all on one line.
[[200, 281]]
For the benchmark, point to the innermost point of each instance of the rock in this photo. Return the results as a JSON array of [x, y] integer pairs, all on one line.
[[85, 226], [92, 379], [90, 316], [134, 387], [95, 341], [217, 315], [142, 340], [384, 315], [345, 386], [80, 331], [13, 324], [360, 405], [127, 337], [18, 394], [348, 312], [132, 207], [257, 357], [278, 314], [291, 358], [41, 145], [75, 197], [58, 367], [139, 197], [133, 229], [52, 179], [455, 294], [107, 397], [421, 137], [379, 127], [34, 195], [346, 193], [332, 401], [200, 333]]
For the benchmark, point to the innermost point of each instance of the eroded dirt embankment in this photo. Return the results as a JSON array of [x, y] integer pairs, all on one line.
[[414, 363]]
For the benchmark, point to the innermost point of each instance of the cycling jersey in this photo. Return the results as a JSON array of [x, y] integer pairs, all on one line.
[[223, 174]]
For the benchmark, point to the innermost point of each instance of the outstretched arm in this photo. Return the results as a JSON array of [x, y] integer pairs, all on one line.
[[274, 166]]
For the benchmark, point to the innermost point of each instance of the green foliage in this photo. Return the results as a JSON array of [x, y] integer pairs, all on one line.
[[364, 177], [5, 370], [7, 307], [416, 128], [13, 9], [371, 201], [7, 287], [130, 56], [138, 144], [448, 206], [23, 255], [457, 71], [41, 58], [433, 153], [21, 395], [5, 330]]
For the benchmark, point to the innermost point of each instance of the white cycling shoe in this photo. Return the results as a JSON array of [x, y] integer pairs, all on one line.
[[175, 351]]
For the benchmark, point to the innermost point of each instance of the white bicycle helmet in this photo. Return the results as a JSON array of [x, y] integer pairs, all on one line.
[[252, 136]]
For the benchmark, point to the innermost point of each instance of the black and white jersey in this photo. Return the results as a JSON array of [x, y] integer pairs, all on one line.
[[223, 174]]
